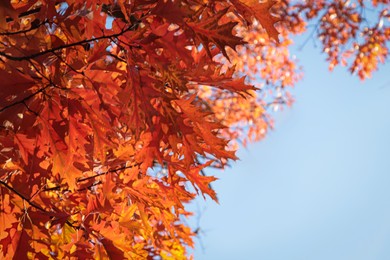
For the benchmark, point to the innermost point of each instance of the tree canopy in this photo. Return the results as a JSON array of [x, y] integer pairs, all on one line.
[[112, 110]]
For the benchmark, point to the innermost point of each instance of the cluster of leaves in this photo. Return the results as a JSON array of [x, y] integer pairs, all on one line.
[[102, 124], [353, 33], [111, 110]]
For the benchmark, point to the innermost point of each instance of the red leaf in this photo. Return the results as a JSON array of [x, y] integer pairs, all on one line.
[[26, 146], [112, 251], [21, 245]]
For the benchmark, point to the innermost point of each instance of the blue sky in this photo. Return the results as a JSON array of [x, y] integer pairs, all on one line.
[[318, 186]]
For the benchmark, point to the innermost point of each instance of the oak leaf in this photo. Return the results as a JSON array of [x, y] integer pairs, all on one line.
[[209, 31], [261, 11]]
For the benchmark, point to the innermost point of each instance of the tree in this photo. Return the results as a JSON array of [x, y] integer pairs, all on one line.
[[112, 110]]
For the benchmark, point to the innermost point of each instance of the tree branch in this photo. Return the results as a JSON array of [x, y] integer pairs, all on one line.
[[38, 54], [32, 204], [24, 99], [34, 25]]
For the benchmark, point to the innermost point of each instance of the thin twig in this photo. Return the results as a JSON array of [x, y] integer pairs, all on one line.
[[106, 172]]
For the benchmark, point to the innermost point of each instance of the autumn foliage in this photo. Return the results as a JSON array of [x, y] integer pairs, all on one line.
[[111, 111]]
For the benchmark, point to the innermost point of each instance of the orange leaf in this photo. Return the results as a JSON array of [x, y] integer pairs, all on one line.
[[209, 31], [203, 182], [260, 10]]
